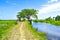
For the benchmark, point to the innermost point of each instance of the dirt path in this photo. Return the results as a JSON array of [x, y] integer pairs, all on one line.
[[25, 34], [19, 33]]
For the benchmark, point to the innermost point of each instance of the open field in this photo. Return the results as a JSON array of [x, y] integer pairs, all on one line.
[[5, 26]]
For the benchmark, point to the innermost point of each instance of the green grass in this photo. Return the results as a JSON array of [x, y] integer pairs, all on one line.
[[57, 23], [5, 26], [39, 35]]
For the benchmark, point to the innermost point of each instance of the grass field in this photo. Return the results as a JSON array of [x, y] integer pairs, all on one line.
[[5, 26]]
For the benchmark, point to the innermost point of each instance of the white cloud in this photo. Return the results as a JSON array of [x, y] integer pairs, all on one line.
[[52, 1], [51, 8]]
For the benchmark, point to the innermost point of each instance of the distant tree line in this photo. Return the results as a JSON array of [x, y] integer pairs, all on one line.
[[57, 18]]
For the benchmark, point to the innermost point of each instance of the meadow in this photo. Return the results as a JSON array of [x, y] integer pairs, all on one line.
[[5, 26]]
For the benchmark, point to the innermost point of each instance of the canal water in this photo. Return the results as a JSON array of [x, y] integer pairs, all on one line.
[[52, 30]]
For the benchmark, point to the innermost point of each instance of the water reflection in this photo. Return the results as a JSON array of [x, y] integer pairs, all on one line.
[[52, 30]]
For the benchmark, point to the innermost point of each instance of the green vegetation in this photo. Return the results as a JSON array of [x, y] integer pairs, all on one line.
[[57, 23], [27, 14], [36, 34], [54, 20], [57, 18], [5, 26]]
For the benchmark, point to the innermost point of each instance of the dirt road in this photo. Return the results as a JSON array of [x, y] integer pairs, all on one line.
[[19, 33]]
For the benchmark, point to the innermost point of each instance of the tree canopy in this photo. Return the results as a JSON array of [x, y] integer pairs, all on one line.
[[27, 14], [57, 18]]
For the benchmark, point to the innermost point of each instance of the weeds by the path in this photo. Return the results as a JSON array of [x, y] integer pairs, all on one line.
[[35, 33]]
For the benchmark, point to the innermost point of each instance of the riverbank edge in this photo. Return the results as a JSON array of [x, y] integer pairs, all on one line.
[[56, 23], [36, 34]]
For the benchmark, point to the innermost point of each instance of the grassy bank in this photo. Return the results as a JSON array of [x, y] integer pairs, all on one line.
[[57, 23], [39, 35], [5, 26]]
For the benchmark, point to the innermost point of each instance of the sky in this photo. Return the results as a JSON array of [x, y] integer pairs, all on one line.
[[10, 8]]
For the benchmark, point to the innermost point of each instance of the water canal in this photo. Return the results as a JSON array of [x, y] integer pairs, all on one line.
[[52, 30]]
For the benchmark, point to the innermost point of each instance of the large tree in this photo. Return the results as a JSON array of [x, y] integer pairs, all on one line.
[[27, 14]]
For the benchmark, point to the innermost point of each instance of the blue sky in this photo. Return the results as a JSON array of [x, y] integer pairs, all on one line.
[[10, 8]]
